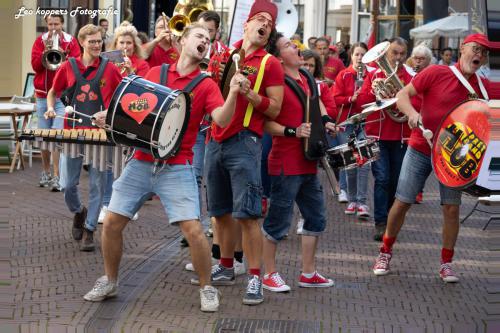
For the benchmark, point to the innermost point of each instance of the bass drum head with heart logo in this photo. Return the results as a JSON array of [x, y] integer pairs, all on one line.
[[174, 124]]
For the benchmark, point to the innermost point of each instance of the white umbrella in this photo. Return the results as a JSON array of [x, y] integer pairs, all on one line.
[[454, 26]]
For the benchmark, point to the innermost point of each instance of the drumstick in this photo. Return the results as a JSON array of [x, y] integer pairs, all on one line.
[[236, 60], [306, 140], [426, 133], [78, 120], [70, 110]]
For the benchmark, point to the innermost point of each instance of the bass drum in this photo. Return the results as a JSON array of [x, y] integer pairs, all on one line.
[[148, 116], [460, 145]]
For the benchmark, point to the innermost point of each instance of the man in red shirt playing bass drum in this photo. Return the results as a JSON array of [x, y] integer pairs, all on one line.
[[173, 179], [293, 178], [43, 82], [441, 90], [234, 153]]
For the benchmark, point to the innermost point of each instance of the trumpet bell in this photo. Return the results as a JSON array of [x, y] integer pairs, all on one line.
[[375, 52], [192, 8], [178, 23], [53, 59]]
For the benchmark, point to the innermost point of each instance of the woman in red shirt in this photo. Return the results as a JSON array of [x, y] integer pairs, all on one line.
[[125, 39], [345, 90]]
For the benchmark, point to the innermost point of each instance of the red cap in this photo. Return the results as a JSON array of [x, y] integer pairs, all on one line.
[[263, 6], [333, 48], [481, 39]]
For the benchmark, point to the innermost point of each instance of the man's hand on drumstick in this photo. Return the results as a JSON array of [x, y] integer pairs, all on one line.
[[413, 120], [99, 118], [331, 129], [303, 131], [50, 113], [239, 83]]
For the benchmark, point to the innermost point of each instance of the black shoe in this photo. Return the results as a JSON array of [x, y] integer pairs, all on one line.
[[87, 241], [78, 222], [86, 167], [379, 233], [184, 242]]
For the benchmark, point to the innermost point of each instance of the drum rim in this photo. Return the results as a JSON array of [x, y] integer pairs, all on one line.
[[436, 135], [128, 80]]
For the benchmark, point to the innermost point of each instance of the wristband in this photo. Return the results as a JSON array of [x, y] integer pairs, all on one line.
[[263, 105], [290, 132], [326, 119]]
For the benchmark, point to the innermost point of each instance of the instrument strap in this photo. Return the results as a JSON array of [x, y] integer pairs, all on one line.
[[76, 71], [467, 85], [163, 74], [191, 85], [256, 88]]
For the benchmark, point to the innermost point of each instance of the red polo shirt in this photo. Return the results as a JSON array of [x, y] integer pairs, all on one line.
[[441, 92], [386, 129], [161, 56], [326, 97], [140, 66], [205, 98], [287, 153], [332, 67], [111, 78], [273, 76]]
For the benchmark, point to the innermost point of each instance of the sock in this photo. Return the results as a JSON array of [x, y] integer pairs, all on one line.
[[216, 251], [387, 245], [254, 271], [446, 255], [227, 262], [238, 256], [309, 275]]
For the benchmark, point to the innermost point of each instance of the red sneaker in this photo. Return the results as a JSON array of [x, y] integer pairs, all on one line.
[[419, 198], [447, 274], [274, 282], [351, 208], [317, 281], [381, 266]]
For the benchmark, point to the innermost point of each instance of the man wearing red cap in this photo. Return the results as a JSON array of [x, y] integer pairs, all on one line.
[[441, 88], [234, 153]]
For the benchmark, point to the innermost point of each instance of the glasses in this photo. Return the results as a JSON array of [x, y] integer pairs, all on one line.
[[480, 50], [420, 58], [95, 42]]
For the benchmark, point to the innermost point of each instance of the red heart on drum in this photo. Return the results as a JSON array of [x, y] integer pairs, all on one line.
[[92, 96], [138, 107], [86, 88], [81, 97]]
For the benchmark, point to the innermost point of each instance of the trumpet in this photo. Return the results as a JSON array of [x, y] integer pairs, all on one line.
[[52, 57], [186, 12]]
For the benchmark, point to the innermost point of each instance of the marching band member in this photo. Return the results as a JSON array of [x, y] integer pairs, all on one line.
[[293, 178], [173, 179], [441, 90], [161, 50], [125, 39], [91, 95], [43, 82], [392, 137], [234, 153], [346, 90], [331, 65]]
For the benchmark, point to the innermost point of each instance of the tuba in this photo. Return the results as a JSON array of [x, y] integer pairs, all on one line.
[[392, 84], [52, 57], [186, 12]]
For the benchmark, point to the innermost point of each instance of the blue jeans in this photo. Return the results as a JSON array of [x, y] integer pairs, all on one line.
[[175, 184], [51, 123], [340, 174], [233, 176], [70, 178], [267, 143], [199, 161], [307, 192], [356, 179], [109, 188], [386, 173]]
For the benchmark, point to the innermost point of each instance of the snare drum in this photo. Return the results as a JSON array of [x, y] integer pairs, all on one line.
[[148, 116], [350, 156]]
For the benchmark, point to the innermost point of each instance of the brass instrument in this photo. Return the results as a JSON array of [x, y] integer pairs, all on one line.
[[359, 75], [186, 12], [206, 60], [52, 57], [392, 84]]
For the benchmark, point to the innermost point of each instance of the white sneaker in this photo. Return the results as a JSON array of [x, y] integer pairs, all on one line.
[[190, 267], [102, 289], [209, 299], [300, 226], [102, 214], [135, 217], [342, 197], [239, 268]]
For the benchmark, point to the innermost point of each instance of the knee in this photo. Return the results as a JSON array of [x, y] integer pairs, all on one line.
[[451, 211], [400, 207], [192, 231], [114, 223]]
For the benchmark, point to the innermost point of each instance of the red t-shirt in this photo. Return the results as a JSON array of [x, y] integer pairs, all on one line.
[[441, 92], [161, 56], [326, 97], [332, 67], [205, 98], [43, 77], [273, 76], [110, 79], [386, 129], [287, 153]]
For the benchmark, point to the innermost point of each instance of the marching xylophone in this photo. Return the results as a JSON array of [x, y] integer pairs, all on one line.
[[92, 144]]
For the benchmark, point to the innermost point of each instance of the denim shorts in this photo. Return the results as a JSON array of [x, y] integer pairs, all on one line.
[[307, 192], [233, 176], [175, 184], [415, 170], [51, 123]]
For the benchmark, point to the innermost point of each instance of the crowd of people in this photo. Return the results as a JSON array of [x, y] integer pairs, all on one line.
[[247, 147]]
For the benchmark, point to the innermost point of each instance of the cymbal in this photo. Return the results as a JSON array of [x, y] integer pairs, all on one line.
[[368, 110]]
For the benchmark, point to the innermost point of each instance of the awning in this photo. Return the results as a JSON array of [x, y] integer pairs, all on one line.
[[454, 26]]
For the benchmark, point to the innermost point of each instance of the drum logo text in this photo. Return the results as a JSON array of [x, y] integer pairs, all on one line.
[[462, 149], [138, 107]]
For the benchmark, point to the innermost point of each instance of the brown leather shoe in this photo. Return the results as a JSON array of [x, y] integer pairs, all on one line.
[[78, 223], [87, 244]]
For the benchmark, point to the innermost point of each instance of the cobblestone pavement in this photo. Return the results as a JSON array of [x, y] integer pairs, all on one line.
[[48, 275]]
